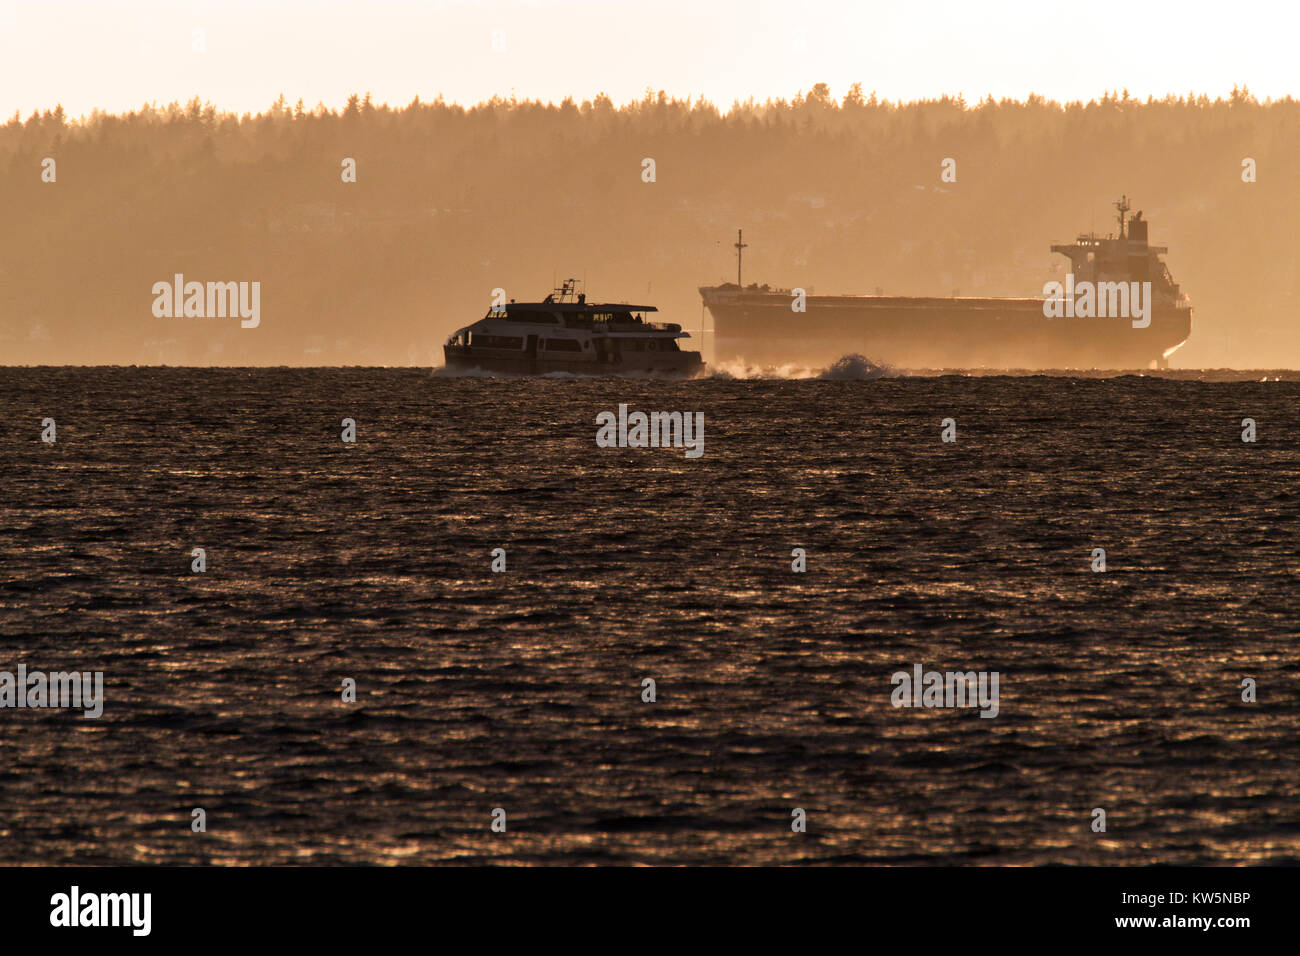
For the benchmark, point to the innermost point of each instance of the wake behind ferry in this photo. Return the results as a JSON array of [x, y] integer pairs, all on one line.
[[566, 333]]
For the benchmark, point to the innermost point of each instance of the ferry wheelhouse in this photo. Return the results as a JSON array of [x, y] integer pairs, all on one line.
[[566, 333]]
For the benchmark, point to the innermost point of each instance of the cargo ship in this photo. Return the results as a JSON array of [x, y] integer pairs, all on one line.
[[761, 325], [566, 333]]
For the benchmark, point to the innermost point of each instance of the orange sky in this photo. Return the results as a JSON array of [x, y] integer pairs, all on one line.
[[240, 55]]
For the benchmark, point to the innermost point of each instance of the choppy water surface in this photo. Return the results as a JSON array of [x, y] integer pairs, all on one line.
[[522, 690]]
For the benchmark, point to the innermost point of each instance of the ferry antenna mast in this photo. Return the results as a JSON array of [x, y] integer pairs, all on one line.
[[741, 246]]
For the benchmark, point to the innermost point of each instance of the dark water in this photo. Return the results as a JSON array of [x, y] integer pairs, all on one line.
[[522, 690]]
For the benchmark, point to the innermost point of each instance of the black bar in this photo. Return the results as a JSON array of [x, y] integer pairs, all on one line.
[[660, 906]]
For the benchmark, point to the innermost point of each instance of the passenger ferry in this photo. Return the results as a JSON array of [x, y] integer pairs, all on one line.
[[566, 333]]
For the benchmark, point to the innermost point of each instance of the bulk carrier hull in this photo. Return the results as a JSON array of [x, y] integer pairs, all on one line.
[[760, 327], [1118, 308]]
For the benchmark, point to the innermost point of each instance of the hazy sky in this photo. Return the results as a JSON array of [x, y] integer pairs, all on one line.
[[240, 55]]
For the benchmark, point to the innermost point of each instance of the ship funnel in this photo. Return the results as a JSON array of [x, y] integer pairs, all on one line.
[[1137, 227]]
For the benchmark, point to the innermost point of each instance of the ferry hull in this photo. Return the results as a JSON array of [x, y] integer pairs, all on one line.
[[664, 364], [934, 333]]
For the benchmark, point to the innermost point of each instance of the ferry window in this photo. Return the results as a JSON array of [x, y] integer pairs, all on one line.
[[498, 341], [561, 345]]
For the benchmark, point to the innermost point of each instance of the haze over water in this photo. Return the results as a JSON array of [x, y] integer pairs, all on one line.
[[522, 690]]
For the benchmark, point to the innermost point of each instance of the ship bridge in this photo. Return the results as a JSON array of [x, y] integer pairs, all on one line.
[[1126, 258]]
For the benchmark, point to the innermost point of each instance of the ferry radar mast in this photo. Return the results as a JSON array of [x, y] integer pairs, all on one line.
[[568, 292], [1123, 207], [741, 246]]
